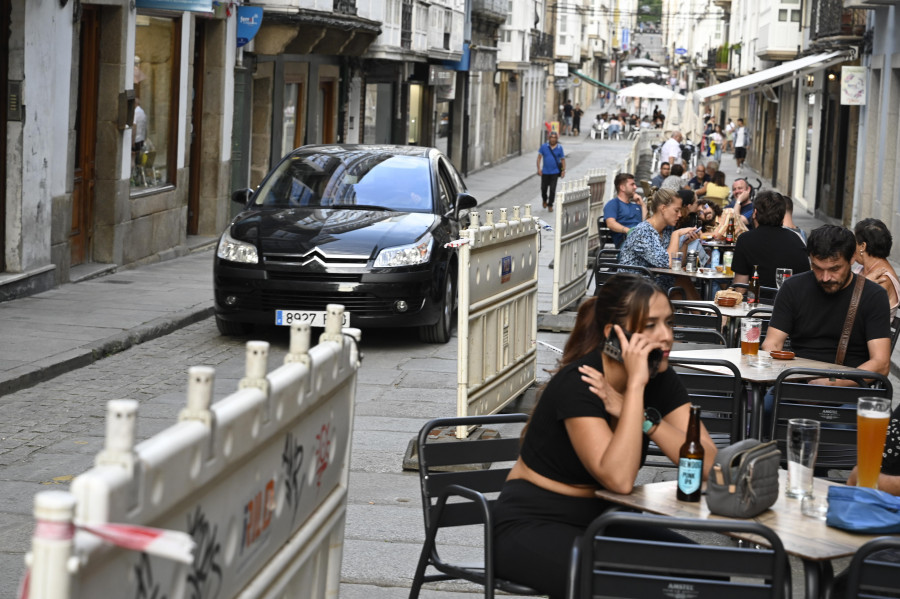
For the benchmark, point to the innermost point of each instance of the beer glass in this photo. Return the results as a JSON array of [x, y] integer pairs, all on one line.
[[872, 417], [782, 274], [750, 331], [802, 449]]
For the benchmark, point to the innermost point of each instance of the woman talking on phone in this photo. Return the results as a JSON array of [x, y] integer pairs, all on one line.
[[613, 393]]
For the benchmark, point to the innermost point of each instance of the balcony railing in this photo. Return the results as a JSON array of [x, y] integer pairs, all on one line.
[[830, 19], [406, 25], [714, 59], [345, 7], [541, 44], [493, 10]]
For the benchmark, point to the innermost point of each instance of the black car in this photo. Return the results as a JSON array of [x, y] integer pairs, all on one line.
[[361, 226]]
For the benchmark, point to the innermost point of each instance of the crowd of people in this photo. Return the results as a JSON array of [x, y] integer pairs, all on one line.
[[595, 417]]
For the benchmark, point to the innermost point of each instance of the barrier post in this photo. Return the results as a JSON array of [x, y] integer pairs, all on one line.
[[51, 558], [570, 244]]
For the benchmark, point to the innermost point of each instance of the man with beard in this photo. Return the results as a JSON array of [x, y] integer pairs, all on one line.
[[811, 308]]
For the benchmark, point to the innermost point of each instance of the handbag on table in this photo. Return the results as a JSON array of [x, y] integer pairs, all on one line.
[[743, 481]]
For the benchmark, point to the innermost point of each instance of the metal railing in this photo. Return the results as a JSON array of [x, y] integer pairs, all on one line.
[[541, 44], [830, 19], [345, 7]]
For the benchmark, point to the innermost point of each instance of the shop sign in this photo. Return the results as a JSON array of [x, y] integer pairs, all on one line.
[[561, 69], [853, 86], [444, 82], [188, 5], [249, 19]]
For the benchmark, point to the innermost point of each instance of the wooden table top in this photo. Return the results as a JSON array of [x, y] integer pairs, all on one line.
[[716, 275], [750, 372], [805, 537]]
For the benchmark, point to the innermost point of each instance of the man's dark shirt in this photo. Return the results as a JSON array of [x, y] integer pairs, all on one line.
[[769, 248], [814, 319], [696, 183]]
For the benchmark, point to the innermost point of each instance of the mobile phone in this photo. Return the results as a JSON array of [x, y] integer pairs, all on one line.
[[613, 349]]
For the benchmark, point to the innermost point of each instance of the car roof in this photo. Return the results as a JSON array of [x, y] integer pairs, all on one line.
[[394, 150]]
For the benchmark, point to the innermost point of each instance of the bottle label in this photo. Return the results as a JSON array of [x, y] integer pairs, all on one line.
[[690, 475]]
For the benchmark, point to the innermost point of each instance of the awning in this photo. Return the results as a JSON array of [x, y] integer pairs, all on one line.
[[785, 71], [593, 81]]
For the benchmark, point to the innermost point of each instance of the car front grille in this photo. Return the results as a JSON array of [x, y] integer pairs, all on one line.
[[317, 277], [293, 300]]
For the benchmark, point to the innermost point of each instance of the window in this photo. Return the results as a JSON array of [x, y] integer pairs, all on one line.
[[795, 16], [156, 61], [782, 15]]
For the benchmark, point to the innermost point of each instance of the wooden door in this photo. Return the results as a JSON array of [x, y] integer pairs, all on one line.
[[193, 220], [4, 74], [326, 96], [85, 136]]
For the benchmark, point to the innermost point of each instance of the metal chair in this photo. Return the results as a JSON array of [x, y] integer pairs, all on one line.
[[834, 407], [764, 313], [457, 497], [632, 568], [895, 331], [605, 256], [697, 315], [872, 576], [604, 272], [720, 395], [694, 335]]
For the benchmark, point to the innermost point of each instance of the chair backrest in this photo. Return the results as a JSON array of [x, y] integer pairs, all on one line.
[[604, 272], [604, 232], [697, 315], [631, 568], [766, 294], [871, 575], [719, 395], [764, 313], [695, 335], [445, 462], [834, 407]]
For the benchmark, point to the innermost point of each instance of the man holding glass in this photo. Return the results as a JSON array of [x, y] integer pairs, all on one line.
[[811, 308], [768, 246]]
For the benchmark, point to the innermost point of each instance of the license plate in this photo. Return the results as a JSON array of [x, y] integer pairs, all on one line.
[[313, 318]]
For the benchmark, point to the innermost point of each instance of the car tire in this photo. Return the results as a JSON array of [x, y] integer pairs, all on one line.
[[442, 330], [229, 328]]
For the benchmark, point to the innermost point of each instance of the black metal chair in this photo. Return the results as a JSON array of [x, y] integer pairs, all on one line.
[[697, 315], [455, 478], [870, 575], [604, 233], [703, 336], [614, 566], [604, 257], [895, 331], [834, 407], [604, 272], [721, 397], [764, 313]]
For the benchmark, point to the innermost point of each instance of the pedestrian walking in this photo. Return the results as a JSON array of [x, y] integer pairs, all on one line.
[[741, 142], [577, 113], [567, 117], [553, 157]]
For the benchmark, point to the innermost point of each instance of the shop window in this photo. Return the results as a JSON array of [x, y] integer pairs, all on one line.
[[154, 134]]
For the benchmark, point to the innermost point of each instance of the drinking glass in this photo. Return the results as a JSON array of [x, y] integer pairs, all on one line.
[[750, 332], [872, 417], [677, 260], [802, 448], [781, 274]]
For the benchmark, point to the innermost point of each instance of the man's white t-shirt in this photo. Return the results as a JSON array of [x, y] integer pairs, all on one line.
[[740, 137], [670, 148]]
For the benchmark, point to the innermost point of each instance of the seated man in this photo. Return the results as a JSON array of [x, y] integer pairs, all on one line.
[[769, 245], [742, 197], [664, 171], [700, 179], [625, 210], [811, 309]]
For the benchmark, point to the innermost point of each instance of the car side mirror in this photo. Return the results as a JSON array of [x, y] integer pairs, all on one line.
[[242, 196], [465, 201]]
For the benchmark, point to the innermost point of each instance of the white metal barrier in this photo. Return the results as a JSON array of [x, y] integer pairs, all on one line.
[[596, 181], [258, 480], [497, 326], [570, 244]]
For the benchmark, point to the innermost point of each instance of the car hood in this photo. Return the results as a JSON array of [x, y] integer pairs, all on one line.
[[337, 232]]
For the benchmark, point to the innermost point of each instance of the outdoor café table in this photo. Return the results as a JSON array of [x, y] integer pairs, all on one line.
[[707, 278], [735, 314], [722, 245], [806, 538], [757, 376]]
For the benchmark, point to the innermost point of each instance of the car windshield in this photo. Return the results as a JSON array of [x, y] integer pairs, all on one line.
[[363, 179]]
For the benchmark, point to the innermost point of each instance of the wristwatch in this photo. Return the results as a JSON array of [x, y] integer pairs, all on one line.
[[651, 419]]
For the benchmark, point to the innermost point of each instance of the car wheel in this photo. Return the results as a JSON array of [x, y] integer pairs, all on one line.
[[232, 329], [440, 331]]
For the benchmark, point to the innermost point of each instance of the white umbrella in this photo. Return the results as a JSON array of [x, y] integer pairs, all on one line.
[[640, 72], [673, 116], [691, 123], [641, 62], [649, 90]]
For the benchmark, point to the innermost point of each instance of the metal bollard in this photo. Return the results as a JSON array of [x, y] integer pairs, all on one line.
[[300, 340], [257, 361], [121, 418], [51, 560], [199, 395]]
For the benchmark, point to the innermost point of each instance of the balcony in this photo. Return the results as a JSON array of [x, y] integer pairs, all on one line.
[[490, 10], [717, 58], [541, 45], [832, 23], [778, 40], [328, 27]]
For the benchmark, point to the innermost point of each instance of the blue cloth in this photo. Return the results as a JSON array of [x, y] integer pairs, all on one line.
[[628, 215], [645, 247], [657, 181], [551, 160]]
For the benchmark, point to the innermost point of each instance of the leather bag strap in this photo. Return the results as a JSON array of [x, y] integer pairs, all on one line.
[[848, 323]]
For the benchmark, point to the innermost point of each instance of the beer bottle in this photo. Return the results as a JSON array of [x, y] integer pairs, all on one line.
[[753, 288], [729, 231], [690, 461]]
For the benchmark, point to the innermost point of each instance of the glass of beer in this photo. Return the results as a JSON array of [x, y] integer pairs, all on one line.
[[872, 417], [750, 331]]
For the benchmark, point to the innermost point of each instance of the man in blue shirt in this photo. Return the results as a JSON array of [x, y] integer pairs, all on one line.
[[625, 211], [664, 169], [554, 167]]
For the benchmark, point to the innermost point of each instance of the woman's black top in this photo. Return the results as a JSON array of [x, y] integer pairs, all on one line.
[[546, 448]]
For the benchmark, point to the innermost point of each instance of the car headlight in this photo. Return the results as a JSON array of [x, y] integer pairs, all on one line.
[[406, 255], [236, 251]]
